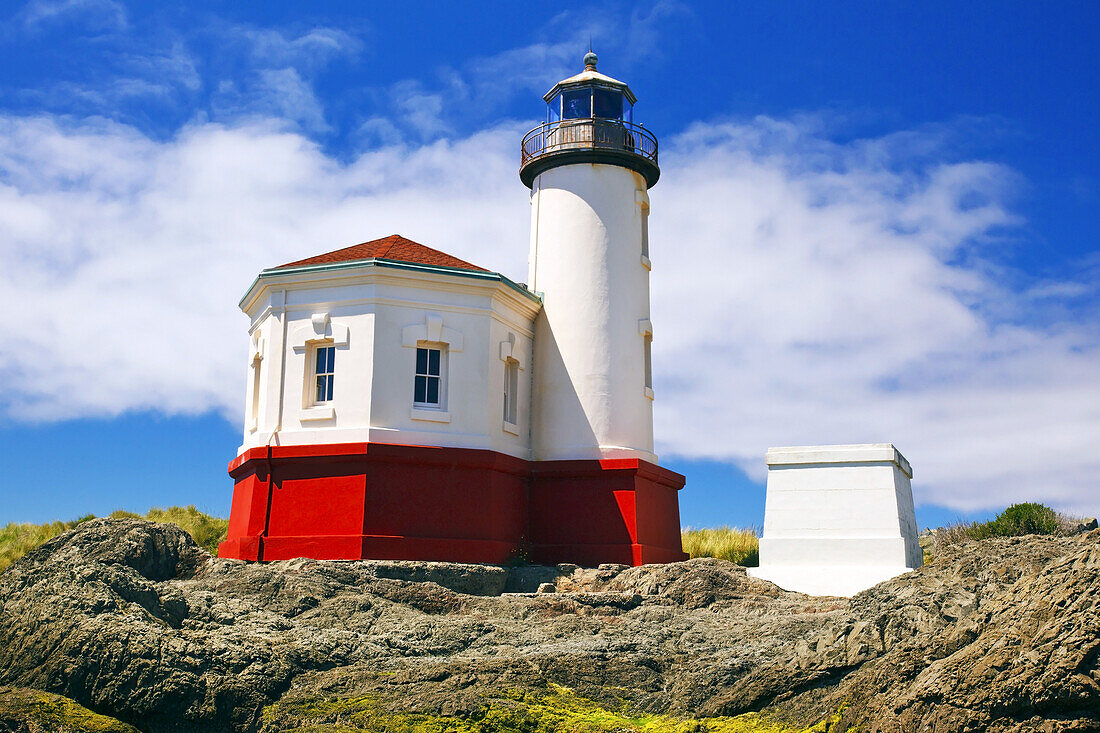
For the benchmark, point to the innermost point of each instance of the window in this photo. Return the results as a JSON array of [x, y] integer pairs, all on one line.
[[511, 390], [428, 385], [649, 363], [255, 391], [323, 373], [645, 231]]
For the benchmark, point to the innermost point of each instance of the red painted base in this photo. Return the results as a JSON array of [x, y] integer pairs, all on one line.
[[397, 502]]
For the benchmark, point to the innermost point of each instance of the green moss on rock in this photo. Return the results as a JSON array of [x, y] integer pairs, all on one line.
[[34, 710], [557, 709]]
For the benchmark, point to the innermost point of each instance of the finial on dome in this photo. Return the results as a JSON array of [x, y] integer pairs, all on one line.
[[590, 60]]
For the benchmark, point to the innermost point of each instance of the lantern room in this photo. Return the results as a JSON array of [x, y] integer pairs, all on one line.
[[590, 119], [590, 94]]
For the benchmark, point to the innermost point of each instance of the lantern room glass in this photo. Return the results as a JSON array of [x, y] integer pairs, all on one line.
[[553, 109], [576, 103], [589, 102], [607, 104]]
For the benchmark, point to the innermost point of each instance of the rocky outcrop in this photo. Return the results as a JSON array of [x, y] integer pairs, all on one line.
[[132, 620]]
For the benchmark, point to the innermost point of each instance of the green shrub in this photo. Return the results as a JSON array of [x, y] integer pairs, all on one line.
[[1015, 521], [1026, 518], [741, 546]]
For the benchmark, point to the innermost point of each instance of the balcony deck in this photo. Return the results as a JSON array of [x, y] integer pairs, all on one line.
[[589, 140]]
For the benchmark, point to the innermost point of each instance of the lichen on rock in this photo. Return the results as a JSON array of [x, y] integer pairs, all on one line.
[[34, 711]]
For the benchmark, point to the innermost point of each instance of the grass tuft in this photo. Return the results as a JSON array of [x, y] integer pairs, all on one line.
[[741, 546], [17, 539], [208, 531]]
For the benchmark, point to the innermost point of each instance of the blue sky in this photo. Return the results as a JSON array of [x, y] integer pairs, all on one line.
[[876, 222]]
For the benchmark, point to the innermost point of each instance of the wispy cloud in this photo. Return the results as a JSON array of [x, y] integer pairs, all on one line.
[[274, 94], [466, 96], [803, 291], [160, 75], [308, 50], [90, 16]]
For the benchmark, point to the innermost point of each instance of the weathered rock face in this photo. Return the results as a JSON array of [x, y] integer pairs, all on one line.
[[133, 620]]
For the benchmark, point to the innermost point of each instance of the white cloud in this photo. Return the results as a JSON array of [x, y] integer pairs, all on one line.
[[804, 292], [823, 302]]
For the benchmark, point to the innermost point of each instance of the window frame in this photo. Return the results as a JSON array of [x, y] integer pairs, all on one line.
[[443, 350], [511, 392], [312, 353], [257, 387], [648, 359], [645, 330]]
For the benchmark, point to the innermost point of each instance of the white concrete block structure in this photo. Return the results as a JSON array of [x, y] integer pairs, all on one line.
[[838, 519]]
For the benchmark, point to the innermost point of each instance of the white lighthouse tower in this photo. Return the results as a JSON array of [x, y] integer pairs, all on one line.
[[589, 168]]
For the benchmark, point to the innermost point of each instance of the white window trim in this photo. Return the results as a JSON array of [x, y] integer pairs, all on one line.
[[510, 354], [311, 380], [319, 412], [443, 374], [255, 360], [641, 198], [429, 414], [645, 329], [432, 332], [303, 339]]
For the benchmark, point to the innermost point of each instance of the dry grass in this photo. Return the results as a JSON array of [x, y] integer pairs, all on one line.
[[741, 546], [16, 540], [207, 531]]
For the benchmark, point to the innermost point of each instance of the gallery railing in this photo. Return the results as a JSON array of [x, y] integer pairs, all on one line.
[[580, 134]]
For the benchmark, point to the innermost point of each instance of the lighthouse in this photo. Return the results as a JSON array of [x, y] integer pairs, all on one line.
[[403, 403], [589, 168]]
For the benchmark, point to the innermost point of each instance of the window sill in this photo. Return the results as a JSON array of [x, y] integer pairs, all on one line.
[[647, 263], [649, 392], [317, 413], [429, 415], [510, 427], [253, 427]]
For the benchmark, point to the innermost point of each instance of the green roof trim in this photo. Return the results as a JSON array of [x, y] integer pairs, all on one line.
[[395, 264]]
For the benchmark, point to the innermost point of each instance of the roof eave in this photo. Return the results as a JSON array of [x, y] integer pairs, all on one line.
[[272, 272], [605, 81]]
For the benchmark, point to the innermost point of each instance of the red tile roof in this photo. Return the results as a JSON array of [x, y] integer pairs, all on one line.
[[393, 247]]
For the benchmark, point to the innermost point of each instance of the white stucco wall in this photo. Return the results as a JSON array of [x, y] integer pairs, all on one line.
[[837, 519], [375, 317], [586, 260]]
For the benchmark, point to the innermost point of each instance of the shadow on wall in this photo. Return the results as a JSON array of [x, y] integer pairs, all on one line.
[[562, 401]]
